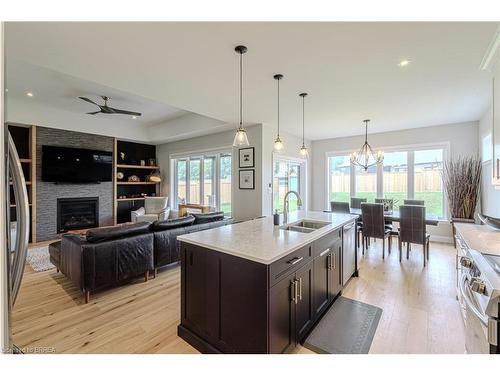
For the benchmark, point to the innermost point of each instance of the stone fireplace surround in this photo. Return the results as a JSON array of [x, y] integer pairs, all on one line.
[[47, 193]]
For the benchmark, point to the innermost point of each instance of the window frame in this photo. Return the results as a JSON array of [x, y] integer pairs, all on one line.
[[303, 178], [215, 155], [410, 149]]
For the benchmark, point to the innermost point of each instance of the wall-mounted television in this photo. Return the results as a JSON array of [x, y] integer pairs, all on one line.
[[76, 165]]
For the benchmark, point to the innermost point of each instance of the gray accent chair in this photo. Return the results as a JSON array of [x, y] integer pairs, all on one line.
[[155, 208]]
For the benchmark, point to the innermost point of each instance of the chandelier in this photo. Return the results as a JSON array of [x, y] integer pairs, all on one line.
[[365, 157]]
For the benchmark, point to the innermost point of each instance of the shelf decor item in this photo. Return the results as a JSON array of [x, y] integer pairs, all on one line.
[[155, 176], [246, 157], [143, 163], [278, 143], [365, 157], [240, 138], [247, 179], [133, 178], [152, 162], [120, 175]]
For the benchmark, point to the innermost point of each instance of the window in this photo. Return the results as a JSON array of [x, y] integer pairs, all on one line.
[[203, 179], [225, 182], [395, 177], [339, 178], [428, 182], [412, 173], [366, 183], [287, 176]]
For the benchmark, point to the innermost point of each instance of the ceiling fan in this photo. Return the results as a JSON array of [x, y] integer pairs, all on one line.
[[108, 110]]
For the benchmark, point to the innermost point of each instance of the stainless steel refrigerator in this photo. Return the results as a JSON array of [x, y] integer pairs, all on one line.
[[14, 245]]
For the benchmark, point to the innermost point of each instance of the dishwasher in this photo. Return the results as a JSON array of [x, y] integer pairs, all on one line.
[[349, 252]]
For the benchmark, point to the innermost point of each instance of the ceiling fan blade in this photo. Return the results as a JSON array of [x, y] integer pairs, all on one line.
[[123, 112], [93, 113], [88, 100]]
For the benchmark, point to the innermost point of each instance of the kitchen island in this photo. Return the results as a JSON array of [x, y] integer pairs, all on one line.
[[253, 287]]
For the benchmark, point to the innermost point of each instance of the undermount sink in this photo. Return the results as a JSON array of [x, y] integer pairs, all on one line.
[[305, 226]]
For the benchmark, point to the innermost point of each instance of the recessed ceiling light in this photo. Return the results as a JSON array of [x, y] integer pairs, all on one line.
[[134, 117], [30, 94], [6, 90], [404, 63]]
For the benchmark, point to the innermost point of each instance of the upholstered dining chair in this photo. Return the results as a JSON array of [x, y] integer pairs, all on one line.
[[340, 207], [374, 225], [414, 202], [155, 208], [412, 229], [356, 203]]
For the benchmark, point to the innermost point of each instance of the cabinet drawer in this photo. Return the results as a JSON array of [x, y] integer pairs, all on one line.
[[327, 241], [289, 263]]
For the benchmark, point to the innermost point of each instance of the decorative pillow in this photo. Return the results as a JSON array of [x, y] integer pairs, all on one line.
[[208, 218], [127, 230], [160, 225]]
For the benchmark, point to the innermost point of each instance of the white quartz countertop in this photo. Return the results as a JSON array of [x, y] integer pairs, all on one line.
[[481, 238], [260, 241]]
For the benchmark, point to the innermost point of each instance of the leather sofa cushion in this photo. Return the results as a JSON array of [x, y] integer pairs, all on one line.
[[172, 223], [208, 218], [106, 234]]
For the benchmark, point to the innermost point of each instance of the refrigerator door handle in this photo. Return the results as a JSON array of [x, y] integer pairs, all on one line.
[[22, 218]]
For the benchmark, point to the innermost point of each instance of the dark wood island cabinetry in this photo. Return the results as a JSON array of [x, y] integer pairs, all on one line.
[[232, 304]]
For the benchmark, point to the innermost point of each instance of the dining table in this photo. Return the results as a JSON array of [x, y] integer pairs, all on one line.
[[430, 219]]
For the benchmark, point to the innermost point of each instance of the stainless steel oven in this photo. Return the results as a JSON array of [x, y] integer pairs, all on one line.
[[481, 330]]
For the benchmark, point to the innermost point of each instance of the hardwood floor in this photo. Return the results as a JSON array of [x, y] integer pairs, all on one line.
[[420, 313]]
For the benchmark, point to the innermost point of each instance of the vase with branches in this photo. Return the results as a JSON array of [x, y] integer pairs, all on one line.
[[462, 183]]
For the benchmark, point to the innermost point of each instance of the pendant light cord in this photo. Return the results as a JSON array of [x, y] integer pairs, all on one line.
[[278, 108], [303, 118], [241, 89]]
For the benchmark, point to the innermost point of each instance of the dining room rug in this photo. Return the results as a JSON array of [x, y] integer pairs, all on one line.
[[348, 327], [39, 259]]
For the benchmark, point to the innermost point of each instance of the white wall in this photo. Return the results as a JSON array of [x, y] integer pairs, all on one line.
[[245, 203], [490, 197], [462, 137]]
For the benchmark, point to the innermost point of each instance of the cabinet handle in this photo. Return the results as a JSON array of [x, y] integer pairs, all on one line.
[[294, 292], [295, 260], [324, 252], [334, 261], [330, 261], [300, 288]]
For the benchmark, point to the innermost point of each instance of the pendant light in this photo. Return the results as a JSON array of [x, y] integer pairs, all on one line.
[[303, 150], [278, 143], [240, 138], [366, 158]]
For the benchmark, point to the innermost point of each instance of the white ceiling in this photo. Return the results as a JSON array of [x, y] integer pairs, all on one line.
[[349, 70], [61, 91]]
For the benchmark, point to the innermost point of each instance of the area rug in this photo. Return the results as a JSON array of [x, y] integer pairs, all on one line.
[[39, 259], [347, 327]]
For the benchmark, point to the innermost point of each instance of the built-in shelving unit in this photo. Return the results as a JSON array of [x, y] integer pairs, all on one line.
[[24, 137], [137, 159]]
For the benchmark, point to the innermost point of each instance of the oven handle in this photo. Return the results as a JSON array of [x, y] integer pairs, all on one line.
[[482, 318]]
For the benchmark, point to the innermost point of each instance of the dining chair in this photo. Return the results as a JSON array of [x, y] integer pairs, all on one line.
[[340, 207], [412, 229], [414, 202], [374, 225], [356, 203]]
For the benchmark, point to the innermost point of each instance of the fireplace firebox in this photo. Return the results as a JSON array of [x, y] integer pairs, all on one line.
[[77, 213]]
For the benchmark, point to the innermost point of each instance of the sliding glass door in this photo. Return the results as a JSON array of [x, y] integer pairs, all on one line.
[[203, 179]]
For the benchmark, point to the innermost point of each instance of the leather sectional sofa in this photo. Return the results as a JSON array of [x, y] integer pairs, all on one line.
[[106, 257]]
